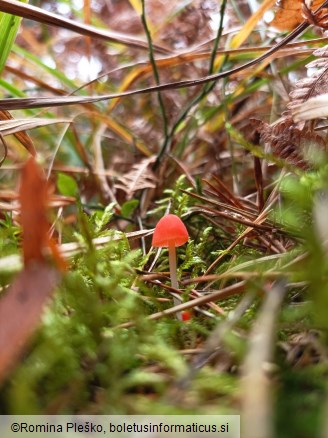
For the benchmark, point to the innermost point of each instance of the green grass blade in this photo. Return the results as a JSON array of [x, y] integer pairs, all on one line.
[[9, 25]]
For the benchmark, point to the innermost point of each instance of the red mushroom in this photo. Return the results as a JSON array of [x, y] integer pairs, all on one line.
[[171, 232]]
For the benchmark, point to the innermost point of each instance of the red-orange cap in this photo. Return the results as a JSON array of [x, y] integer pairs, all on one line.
[[186, 315], [170, 230]]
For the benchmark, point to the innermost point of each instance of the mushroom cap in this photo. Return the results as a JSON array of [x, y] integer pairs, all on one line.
[[169, 231]]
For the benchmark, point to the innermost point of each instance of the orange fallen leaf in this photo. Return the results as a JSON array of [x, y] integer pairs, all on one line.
[[34, 199], [33, 196], [289, 14], [20, 311]]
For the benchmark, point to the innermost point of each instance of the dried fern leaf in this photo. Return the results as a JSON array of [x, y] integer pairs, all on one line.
[[314, 108], [288, 137], [310, 87], [138, 178], [288, 141]]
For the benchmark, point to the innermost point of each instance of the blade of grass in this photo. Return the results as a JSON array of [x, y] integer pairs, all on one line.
[[9, 25], [13, 126], [248, 27], [21, 136], [37, 14], [27, 55]]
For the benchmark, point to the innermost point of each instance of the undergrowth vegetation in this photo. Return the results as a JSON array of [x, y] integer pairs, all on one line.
[[200, 109]]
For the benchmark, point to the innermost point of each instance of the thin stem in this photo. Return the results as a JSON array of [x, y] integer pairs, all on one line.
[[173, 274], [208, 87], [173, 266], [217, 38], [154, 67]]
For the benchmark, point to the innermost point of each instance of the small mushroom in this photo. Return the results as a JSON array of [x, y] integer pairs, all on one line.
[[171, 232]]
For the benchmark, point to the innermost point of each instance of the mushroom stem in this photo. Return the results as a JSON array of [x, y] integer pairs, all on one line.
[[173, 274]]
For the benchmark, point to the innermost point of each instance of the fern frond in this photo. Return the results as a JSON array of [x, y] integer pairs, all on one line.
[[312, 86], [138, 178], [287, 141], [289, 136]]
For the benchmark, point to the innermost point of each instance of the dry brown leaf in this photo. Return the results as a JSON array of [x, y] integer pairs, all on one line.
[[314, 85], [34, 200], [309, 97], [304, 349], [314, 108], [33, 196], [21, 136], [138, 178], [289, 13], [14, 126], [287, 140], [20, 311], [9, 125]]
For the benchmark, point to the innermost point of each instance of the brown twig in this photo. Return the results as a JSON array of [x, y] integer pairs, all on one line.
[[20, 9], [214, 296]]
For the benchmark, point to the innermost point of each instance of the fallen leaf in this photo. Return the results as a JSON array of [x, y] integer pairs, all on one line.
[[34, 199], [20, 311], [289, 14], [314, 85], [33, 196], [138, 178], [287, 141]]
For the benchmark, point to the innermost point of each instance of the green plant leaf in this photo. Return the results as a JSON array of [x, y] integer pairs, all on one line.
[[9, 25], [128, 207], [67, 185]]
